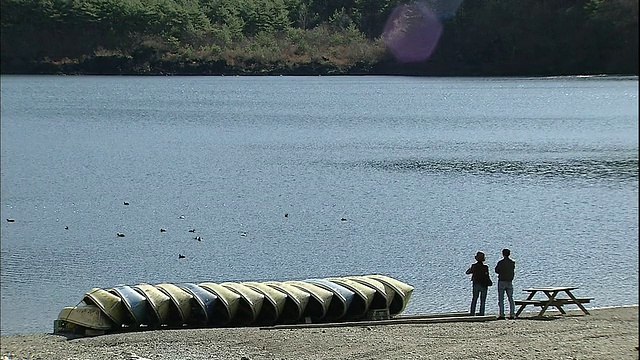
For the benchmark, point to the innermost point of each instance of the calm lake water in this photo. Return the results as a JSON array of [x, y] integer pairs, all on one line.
[[426, 171]]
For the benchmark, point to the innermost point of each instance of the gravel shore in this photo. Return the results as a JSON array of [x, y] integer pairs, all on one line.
[[609, 333]]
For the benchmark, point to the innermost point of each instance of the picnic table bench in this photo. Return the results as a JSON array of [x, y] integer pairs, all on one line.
[[552, 300]]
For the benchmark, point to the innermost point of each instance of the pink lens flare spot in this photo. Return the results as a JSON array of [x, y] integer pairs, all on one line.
[[412, 32]]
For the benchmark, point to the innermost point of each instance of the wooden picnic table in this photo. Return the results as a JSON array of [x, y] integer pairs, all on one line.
[[552, 299]]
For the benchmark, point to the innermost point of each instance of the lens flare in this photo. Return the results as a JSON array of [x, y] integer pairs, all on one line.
[[412, 32]]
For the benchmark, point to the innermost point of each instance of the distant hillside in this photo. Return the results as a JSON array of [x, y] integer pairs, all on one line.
[[199, 37]]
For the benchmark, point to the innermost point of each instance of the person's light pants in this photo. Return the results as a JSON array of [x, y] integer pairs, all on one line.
[[505, 287]]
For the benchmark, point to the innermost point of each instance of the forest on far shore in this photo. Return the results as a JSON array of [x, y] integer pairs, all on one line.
[[320, 37]]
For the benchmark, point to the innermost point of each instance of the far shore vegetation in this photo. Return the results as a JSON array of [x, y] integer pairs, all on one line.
[[315, 37]]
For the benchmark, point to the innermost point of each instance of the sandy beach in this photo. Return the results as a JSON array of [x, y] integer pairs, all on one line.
[[608, 333]]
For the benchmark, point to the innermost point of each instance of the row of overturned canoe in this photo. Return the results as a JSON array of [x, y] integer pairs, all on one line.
[[250, 303]]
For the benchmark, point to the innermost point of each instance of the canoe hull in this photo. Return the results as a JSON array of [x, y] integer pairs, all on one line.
[[249, 303], [110, 304], [158, 302], [230, 300], [403, 290], [274, 302], [135, 303], [181, 300], [363, 296], [296, 302], [84, 316], [206, 300], [319, 300]]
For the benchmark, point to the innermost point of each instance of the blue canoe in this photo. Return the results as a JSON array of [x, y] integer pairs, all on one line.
[[205, 299], [134, 302], [337, 309]]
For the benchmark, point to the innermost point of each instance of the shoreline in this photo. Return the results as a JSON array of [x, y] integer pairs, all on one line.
[[609, 332]]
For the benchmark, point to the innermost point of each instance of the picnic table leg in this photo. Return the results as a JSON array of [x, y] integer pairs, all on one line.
[[525, 305], [552, 296], [577, 302]]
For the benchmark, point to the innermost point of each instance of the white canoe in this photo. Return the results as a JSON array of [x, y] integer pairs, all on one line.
[[319, 302], [296, 303], [402, 289], [250, 303], [229, 299], [110, 304], [180, 299], [341, 300], [157, 301], [384, 293], [88, 316], [273, 306], [363, 298]]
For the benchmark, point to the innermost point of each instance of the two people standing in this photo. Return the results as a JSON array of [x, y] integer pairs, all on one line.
[[482, 280]]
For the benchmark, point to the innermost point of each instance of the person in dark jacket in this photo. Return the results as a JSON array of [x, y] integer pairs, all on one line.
[[480, 279], [506, 271]]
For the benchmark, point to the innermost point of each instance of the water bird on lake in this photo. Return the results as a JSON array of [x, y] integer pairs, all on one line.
[[181, 217], [286, 215], [198, 238], [343, 219], [120, 234], [11, 220], [243, 233], [66, 228], [126, 203], [163, 230], [192, 230], [180, 256]]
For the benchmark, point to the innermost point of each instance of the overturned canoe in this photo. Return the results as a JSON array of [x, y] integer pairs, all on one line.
[[205, 299], [273, 304], [248, 303], [341, 300], [403, 290], [180, 299], [384, 293], [363, 296], [135, 303], [109, 303], [296, 303], [319, 302], [228, 298], [88, 316], [158, 302]]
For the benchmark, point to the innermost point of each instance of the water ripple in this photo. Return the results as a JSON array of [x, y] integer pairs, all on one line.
[[616, 169]]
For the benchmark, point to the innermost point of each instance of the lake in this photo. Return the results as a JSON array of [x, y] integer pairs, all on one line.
[[424, 171]]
